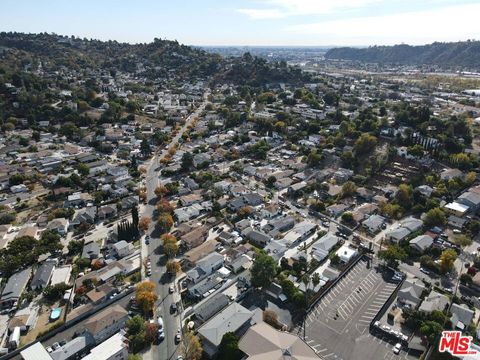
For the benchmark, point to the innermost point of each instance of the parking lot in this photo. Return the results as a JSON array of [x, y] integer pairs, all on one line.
[[338, 326]]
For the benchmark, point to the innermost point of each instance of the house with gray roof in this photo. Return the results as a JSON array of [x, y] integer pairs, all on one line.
[[434, 301], [90, 251], [75, 348], [374, 223], [258, 237], [43, 275], [470, 199], [211, 307], [234, 318], [14, 288], [421, 243], [411, 292], [205, 267], [462, 316], [322, 246]]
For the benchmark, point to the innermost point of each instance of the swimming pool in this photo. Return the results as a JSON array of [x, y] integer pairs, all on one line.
[[55, 314]]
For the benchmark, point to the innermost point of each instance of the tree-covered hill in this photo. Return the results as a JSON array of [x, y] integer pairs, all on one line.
[[159, 59], [465, 54]]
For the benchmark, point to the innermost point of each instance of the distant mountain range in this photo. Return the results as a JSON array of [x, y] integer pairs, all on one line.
[[464, 54]]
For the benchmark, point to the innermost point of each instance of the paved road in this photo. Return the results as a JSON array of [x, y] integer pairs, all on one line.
[[167, 349]]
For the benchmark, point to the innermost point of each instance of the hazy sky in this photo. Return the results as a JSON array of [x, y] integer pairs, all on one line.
[[250, 22]]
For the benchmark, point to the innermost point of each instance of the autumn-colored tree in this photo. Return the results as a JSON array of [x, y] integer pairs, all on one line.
[[165, 222], [160, 191], [164, 206], [142, 195], [191, 347], [144, 223], [244, 212], [97, 264], [151, 330], [447, 260], [173, 267], [170, 246], [271, 318], [172, 151], [142, 169], [145, 286], [146, 297], [166, 159]]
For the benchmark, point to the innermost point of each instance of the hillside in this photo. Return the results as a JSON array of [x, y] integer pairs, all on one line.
[[160, 59], [464, 54]]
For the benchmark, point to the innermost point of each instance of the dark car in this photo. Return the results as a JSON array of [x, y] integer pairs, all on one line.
[[173, 308]]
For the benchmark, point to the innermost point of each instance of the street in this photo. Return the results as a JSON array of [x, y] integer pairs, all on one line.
[[167, 349]]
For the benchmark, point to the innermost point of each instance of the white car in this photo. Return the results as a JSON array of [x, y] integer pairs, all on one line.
[[396, 349], [160, 322], [171, 289]]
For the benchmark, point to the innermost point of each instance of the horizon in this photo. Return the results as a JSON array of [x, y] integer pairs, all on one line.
[[260, 23]]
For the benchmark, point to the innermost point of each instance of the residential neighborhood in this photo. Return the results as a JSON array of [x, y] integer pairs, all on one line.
[[186, 211]]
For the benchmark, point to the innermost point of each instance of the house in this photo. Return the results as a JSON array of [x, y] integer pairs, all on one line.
[[241, 263], [421, 243], [296, 189], [234, 318], [470, 199], [91, 251], [107, 322], [407, 226], [195, 237], [424, 190], [107, 212], [75, 348], [434, 301], [261, 341], [346, 253], [84, 216], [211, 306], [205, 267], [257, 237], [14, 288], [457, 209], [300, 232], [27, 230], [197, 253], [122, 248], [58, 225], [43, 275], [206, 286], [457, 222], [449, 174], [201, 159], [100, 293], [36, 351], [462, 316], [279, 225], [322, 247], [374, 223], [411, 292], [114, 348], [250, 199], [342, 175]]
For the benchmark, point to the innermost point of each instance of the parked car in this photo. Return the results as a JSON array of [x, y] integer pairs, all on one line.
[[171, 289], [425, 271], [397, 348], [178, 336], [173, 308], [55, 345]]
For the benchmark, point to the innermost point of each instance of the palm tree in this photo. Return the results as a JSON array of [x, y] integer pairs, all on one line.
[[315, 280], [306, 282]]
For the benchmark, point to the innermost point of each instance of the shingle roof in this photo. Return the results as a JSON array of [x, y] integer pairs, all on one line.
[[229, 319]]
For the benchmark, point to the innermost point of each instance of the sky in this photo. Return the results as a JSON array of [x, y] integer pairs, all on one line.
[[250, 22]]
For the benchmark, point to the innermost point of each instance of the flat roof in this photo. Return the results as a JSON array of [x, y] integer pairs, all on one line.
[[35, 352]]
